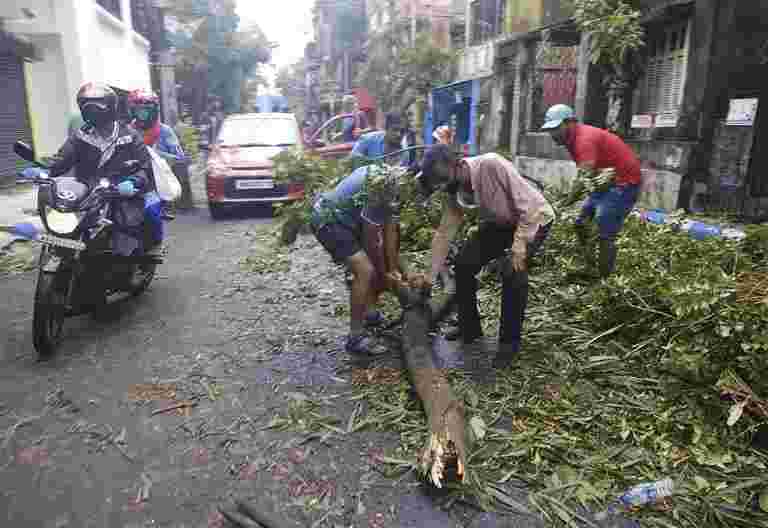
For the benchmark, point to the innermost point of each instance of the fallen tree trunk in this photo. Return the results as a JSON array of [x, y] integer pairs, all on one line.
[[444, 455]]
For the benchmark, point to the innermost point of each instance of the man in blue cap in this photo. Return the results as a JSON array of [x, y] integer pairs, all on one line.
[[608, 169], [381, 142]]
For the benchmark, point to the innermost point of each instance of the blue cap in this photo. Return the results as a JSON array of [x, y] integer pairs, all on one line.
[[556, 115]]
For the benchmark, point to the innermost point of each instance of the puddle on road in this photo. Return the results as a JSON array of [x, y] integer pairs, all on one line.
[[304, 367]]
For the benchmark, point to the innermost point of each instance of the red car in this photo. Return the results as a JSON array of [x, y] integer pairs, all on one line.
[[240, 166]]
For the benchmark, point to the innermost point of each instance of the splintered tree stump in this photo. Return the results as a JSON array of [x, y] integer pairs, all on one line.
[[444, 455]]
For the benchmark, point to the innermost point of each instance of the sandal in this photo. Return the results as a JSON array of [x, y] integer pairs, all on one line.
[[360, 345]]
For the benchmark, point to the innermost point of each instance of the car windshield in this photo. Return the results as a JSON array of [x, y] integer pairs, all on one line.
[[258, 133]]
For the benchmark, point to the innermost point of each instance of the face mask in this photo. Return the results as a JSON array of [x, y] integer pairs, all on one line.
[[97, 114], [144, 114]]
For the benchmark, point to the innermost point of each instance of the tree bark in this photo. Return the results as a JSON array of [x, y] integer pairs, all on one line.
[[444, 455]]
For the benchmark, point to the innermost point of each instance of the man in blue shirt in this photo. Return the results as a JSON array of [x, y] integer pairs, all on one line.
[[381, 142], [352, 126], [358, 225]]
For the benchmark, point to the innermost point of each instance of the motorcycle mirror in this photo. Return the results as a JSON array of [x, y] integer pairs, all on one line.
[[27, 153], [24, 151]]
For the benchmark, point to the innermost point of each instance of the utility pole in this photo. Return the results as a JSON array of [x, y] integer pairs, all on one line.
[[413, 23], [165, 64]]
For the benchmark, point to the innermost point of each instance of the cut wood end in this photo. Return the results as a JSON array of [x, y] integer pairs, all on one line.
[[441, 461]]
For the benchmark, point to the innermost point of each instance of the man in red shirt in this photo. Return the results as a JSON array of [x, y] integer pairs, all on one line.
[[608, 169]]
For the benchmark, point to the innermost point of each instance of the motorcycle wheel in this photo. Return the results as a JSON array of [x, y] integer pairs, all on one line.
[[216, 211], [49, 313]]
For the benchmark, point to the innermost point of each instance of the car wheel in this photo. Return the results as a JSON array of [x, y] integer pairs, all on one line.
[[216, 211]]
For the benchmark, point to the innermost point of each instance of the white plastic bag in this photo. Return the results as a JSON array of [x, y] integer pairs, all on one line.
[[168, 186]]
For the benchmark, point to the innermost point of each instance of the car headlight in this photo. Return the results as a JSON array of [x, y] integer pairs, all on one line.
[[63, 223]]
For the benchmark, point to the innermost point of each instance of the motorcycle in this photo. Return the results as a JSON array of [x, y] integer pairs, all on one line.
[[79, 266]]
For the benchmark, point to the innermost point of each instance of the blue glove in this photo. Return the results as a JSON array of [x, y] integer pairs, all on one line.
[[31, 173], [127, 188]]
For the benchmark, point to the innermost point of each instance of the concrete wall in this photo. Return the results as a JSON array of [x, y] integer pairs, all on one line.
[[80, 42], [49, 108], [660, 188], [730, 161], [121, 56]]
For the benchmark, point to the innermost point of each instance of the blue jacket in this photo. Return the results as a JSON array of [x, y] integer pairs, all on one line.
[[168, 145]]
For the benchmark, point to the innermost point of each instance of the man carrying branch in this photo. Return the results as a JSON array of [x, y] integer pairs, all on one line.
[[358, 225], [608, 169], [516, 221]]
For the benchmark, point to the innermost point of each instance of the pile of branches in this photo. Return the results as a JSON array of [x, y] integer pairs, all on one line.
[[319, 175], [632, 379]]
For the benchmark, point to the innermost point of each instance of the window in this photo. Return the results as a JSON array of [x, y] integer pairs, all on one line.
[[486, 19], [113, 6], [660, 90], [259, 132]]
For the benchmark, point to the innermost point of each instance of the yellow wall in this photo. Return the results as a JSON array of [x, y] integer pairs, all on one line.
[[523, 15]]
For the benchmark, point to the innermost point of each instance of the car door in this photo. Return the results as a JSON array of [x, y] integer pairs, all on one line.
[[327, 141]]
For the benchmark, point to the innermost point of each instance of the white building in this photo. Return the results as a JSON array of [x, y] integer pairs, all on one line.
[[76, 41]]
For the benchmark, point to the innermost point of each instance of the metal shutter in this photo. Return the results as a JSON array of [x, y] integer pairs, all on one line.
[[14, 120]]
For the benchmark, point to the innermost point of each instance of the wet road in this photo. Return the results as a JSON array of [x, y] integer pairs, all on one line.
[[83, 446]]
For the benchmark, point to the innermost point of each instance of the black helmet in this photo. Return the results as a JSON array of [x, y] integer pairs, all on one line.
[[98, 104]]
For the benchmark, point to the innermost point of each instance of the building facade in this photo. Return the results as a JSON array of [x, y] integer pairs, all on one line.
[[697, 113], [77, 41]]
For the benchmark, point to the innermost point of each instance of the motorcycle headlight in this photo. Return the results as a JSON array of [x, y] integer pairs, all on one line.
[[63, 223]]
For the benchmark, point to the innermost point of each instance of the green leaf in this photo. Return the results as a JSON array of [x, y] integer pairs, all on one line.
[[764, 500], [701, 483], [737, 409], [478, 427], [472, 398]]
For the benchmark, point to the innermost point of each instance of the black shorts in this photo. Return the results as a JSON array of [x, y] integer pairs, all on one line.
[[339, 240]]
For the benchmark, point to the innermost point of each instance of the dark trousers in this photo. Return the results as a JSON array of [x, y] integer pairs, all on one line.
[[490, 243]]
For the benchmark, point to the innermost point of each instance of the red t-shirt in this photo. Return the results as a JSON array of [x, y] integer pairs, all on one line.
[[605, 150]]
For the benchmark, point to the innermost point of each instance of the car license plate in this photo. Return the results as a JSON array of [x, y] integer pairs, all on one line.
[[62, 242], [254, 184]]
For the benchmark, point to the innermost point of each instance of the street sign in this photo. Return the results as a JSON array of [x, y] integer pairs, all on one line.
[[742, 112], [642, 121], [666, 120]]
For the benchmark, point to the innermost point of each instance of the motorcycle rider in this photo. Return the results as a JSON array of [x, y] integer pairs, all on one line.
[[100, 148], [144, 108]]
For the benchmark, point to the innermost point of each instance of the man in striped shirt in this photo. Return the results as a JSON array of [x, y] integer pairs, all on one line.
[[515, 221]]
